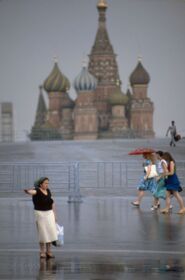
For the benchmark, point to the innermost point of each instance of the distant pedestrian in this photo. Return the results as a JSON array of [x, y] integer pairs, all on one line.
[[172, 184], [173, 131], [44, 215]]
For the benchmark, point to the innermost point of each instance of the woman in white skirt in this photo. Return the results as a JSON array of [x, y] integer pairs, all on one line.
[[45, 215]]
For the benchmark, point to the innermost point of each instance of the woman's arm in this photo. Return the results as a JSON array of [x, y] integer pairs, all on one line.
[[148, 170], [171, 169], [164, 168], [30, 191]]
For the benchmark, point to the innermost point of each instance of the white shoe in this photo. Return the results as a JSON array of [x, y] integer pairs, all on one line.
[[154, 207]]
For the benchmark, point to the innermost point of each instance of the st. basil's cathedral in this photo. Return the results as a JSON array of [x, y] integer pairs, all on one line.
[[101, 110]]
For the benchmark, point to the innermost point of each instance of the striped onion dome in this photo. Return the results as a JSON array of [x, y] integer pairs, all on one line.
[[85, 81], [139, 76], [56, 81]]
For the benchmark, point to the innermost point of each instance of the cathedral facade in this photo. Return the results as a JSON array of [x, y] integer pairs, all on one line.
[[101, 109]]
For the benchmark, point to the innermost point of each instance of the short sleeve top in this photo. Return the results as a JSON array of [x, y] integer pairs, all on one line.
[[41, 201]]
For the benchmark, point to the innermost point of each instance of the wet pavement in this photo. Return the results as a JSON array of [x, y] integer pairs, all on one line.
[[99, 150], [105, 238]]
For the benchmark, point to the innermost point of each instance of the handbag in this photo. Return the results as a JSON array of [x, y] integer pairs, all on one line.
[[177, 137], [60, 236], [153, 171]]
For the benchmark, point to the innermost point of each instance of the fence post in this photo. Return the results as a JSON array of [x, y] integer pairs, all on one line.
[[74, 193]]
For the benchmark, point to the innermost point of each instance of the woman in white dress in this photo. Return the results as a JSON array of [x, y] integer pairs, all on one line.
[[45, 215]]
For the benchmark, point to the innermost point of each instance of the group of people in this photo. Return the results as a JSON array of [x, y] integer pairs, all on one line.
[[161, 180]]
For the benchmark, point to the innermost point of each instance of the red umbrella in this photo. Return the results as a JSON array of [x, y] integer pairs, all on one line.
[[141, 151]]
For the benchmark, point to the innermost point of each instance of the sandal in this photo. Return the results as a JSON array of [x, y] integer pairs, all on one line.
[[49, 256], [165, 211], [182, 211], [136, 204], [42, 255]]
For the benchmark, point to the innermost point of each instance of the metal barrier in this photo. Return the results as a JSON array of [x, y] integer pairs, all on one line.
[[74, 178], [115, 177], [14, 177]]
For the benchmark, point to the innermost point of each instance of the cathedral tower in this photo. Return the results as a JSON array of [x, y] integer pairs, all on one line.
[[141, 107], [85, 113], [103, 65], [56, 86]]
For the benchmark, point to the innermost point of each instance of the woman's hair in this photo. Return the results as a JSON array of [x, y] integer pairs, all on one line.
[[160, 153], [40, 181], [167, 156]]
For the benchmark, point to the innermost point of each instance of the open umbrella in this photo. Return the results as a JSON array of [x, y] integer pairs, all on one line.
[[141, 151]]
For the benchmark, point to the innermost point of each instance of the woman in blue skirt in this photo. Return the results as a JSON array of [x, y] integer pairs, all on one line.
[[146, 183], [172, 185]]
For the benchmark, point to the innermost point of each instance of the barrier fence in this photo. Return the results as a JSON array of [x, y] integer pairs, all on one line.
[[74, 179]]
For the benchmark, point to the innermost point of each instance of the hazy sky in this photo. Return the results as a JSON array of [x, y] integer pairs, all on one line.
[[32, 32]]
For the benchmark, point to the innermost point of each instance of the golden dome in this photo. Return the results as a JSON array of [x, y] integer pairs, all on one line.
[[102, 4]]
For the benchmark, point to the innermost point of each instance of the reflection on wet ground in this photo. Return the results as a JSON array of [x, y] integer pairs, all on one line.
[[105, 238], [90, 266]]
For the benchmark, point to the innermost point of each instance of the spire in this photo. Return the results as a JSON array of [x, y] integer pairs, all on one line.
[[102, 59], [102, 6], [41, 110], [102, 42]]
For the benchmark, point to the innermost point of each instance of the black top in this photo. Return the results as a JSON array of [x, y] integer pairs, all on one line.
[[41, 201]]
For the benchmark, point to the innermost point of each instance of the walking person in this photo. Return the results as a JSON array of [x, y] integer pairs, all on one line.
[[173, 131], [160, 192], [172, 185], [45, 215], [148, 182]]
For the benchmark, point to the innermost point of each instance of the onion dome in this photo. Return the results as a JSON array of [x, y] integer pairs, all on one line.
[[118, 98], [139, 76], [56, 81], [85, 81]]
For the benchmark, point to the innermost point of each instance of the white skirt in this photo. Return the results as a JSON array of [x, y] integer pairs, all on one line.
[[46, 226]]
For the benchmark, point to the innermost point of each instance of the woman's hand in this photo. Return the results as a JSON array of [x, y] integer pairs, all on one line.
[[30, 191]]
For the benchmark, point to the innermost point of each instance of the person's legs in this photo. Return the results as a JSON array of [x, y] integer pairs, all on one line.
[[180, 201], [168, 200], [173, 140], [42, 250], [48, 250], [139, 198], [156, 204]]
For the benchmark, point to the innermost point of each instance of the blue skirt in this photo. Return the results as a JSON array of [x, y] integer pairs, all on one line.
[[147, 185], [172, 183], [160, 191]]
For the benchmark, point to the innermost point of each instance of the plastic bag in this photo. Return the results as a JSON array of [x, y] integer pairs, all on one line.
[[153, 171], [60, 235]]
